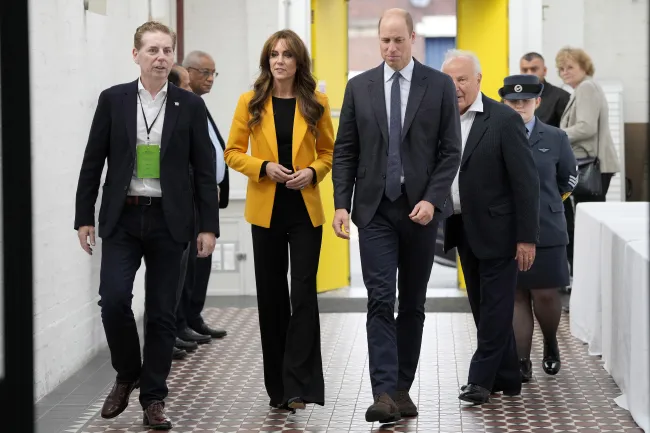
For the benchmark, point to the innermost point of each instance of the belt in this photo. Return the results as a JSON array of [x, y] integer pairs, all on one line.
[[140, 200]]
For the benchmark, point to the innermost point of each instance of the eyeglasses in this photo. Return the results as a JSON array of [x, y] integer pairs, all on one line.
[[205, 72]]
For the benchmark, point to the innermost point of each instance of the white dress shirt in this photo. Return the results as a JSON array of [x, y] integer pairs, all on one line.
[[221, 163], [466, 122], [151, 106], [404, 90]]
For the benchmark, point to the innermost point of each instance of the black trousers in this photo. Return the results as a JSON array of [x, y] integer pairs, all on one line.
[[392, 242], [141, 232], [569, 211], [194, 289], [491, 286], [289, 322]]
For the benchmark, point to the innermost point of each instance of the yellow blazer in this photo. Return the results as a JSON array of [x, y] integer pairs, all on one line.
[[307, 151]]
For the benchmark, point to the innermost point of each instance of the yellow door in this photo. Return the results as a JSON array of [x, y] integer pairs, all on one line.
[[483, 29], [329, 49]]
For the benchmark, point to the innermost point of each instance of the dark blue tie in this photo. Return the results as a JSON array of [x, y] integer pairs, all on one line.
[[394, 167]]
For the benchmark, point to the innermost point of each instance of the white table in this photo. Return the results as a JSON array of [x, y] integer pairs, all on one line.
[[610, 296], [586, 293]]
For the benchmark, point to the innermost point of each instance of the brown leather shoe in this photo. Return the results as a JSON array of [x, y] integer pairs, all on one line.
[[118, 399], [384, 410], [405, 404], [155, 418]]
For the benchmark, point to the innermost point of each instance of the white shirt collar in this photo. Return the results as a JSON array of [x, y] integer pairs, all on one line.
[[407, 71], [162, 91], [477, 105]]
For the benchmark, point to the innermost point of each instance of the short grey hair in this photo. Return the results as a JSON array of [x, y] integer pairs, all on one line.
[[193, 58], [455, 54]]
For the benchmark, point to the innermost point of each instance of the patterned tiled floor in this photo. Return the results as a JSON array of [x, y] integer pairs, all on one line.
[[220, 387]]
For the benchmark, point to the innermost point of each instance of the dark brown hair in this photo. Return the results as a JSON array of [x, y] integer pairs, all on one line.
[[304, 83], [153, 27]]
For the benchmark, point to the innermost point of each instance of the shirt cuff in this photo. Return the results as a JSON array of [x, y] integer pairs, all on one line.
[[314, 179], [263, 169]]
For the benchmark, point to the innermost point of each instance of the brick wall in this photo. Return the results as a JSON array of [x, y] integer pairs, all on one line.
[[363, 18]]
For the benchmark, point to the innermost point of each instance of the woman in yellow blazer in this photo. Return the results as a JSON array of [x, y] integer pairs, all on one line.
[[291, 137]]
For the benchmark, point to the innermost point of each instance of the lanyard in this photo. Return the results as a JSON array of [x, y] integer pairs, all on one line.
[[146, 124]]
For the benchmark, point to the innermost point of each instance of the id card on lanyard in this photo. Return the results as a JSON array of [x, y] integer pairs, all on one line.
[[148, 154]]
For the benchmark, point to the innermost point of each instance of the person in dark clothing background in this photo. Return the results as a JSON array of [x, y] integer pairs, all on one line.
[[554, 99], [551, 108], [291, 138]]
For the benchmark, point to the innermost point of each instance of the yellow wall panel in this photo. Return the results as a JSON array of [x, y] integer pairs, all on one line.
[[329, 39], [483, 29]]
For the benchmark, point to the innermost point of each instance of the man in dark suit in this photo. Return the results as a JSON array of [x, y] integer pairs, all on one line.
[[554, 99], [150, 131], [398, 148], [190, 326], [495, 224]]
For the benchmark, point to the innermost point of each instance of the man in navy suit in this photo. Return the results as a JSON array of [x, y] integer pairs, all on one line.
[[150, 132]]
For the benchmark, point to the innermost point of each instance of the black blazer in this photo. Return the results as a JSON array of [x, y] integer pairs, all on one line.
[[224, 195], [185, 141], [431, 143], [499, 186], [558, 175]]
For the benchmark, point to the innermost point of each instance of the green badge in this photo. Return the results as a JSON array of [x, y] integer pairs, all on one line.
[[148, 160]]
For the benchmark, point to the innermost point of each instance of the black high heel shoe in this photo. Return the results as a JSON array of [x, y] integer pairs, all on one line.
[[526, 368], [296, 403], [551, 362]]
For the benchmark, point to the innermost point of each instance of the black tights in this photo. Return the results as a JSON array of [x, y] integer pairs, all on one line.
[[547, 307]]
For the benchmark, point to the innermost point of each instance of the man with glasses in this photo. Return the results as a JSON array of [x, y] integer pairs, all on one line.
[[190, 326]]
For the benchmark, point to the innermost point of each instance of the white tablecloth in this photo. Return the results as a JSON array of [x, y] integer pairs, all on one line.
[[586, 298], [610, 297]]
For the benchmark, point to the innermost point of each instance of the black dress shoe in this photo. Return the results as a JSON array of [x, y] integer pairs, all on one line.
[[551, 362], [188, 334], [526, 368], [474, 394], [188, 346], [204, 329], [499, 389], [179, 354]]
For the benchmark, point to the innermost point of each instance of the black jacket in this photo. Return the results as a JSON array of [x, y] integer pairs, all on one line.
[[185, 141], [498, 185]]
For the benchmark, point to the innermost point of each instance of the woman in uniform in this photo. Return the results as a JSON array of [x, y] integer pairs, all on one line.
[[538, 289]]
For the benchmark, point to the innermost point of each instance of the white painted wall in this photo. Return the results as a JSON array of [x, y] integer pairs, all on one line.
[[296, 15], [614, 34], [233, 32], [74, 55], [525, 30]]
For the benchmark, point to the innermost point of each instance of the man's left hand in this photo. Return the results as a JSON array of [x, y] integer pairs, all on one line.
[[422, 213], [205, 243], [525, 256], [218, 193]]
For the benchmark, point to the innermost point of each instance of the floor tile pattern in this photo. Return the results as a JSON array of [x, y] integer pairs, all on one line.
[[220, 387]]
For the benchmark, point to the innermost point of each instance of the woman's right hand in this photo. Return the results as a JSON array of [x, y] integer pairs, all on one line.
[[278, 173]]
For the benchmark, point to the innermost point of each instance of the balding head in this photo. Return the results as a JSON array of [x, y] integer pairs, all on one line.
[[396, 38], [399, 13], [465, 69], [202, 71]]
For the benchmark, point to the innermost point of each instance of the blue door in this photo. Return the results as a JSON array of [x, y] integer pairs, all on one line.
[[435, 50]]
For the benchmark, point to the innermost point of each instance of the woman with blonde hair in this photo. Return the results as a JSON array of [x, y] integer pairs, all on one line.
[[586, 122], [291, 138]]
